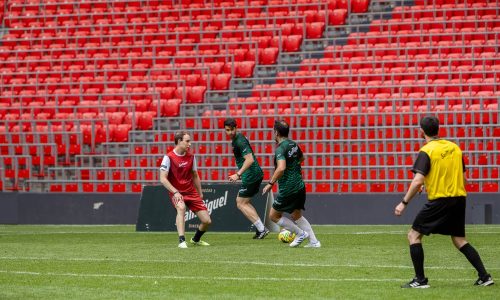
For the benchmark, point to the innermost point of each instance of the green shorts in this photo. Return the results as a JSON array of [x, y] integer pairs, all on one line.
[[291, 202], [248, 190]]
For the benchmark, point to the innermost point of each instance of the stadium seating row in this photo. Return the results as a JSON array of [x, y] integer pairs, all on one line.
[[444, 69]]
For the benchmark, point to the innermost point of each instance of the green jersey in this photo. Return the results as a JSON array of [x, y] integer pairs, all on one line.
[[241, 147], [291, 182]]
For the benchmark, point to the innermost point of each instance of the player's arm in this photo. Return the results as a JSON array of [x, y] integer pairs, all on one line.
[[164, 169], [196, 178], [246, 164], [415, 187], [301, 156], [280, 170], [464, 169], [166, 183], [421, 168], [197, 183]]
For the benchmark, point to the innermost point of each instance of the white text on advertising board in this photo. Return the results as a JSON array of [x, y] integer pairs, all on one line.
[[211, 206]]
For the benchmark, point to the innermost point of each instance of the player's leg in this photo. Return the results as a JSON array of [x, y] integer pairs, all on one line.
[[474, 258], [205, 219], [248, 210], [294, 204], [417, 258], [304, 224], [245, 194], [180, 206], [456, 227], [432, 218], [282, 221], [416, 252], [205, 223]]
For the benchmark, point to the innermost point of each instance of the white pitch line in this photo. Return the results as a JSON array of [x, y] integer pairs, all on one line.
[[273, 264], [225, 278]]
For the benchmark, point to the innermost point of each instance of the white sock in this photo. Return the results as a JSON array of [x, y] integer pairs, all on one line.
[[306, 226], [289, 225], [258, 224]]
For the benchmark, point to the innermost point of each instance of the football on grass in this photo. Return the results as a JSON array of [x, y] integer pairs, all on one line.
[[286, 236]]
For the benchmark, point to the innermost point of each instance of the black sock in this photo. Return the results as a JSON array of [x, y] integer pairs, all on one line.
[[417, 257], [181, 239], [474, 258], [197, 235]]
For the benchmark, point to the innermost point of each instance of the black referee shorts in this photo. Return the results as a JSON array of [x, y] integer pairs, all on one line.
[[442, 216]]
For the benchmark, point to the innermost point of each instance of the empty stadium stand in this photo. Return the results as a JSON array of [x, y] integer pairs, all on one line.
[[91, 92]]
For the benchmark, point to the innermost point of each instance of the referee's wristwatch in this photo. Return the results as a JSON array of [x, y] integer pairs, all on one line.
[[404, 202]]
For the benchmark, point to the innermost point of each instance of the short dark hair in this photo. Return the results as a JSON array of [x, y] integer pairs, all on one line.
[[179, 136], [282, 127], [430, 125], [230, 122]]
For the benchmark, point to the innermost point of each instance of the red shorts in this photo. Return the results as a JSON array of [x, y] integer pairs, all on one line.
[[193, 203]]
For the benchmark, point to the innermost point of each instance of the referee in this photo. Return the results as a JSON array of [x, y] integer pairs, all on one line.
[[440, 167]]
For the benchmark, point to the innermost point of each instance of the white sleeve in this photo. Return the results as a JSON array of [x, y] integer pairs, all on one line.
[[195, 164], [165, 164]]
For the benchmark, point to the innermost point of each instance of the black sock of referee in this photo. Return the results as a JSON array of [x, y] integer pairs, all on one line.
[[417, 257], [197, 235], [474, 258], [182, 239]]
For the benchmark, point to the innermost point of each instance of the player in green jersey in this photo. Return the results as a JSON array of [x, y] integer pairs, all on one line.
[[292, 192], [251, 176]]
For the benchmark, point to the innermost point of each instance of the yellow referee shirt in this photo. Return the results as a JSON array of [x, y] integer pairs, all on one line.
[[441, 162]]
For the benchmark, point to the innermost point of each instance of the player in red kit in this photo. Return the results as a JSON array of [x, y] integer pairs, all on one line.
[[178, 174]]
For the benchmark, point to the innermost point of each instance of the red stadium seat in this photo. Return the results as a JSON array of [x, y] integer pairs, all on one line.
[[71, 187], [359, 6], [171, 107], [337, 17], [136, 188], [222, 81], [268, 56], [315, 30], [102, 188], [119, 188], [121, 133], [195, 94], [245, 69], [56, 188], [490, 188]]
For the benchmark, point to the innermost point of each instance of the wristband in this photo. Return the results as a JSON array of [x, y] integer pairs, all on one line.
[[239, 176], [176, 192], [270, 183], [404, 203]]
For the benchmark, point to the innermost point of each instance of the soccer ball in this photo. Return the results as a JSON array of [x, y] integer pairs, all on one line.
[[286, 236]]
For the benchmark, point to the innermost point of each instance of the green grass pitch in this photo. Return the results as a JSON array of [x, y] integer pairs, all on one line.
[[355, 262]]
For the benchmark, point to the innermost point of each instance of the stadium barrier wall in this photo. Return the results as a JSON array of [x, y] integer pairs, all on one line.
[[321, 209], [68, 208]]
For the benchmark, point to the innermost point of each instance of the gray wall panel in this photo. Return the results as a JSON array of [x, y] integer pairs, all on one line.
[[66, 208], [8, 208]]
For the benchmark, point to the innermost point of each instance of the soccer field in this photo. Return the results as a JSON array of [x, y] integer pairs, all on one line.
[[355, 262]]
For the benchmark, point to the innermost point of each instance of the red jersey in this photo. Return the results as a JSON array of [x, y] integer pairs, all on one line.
[[180, 172]]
